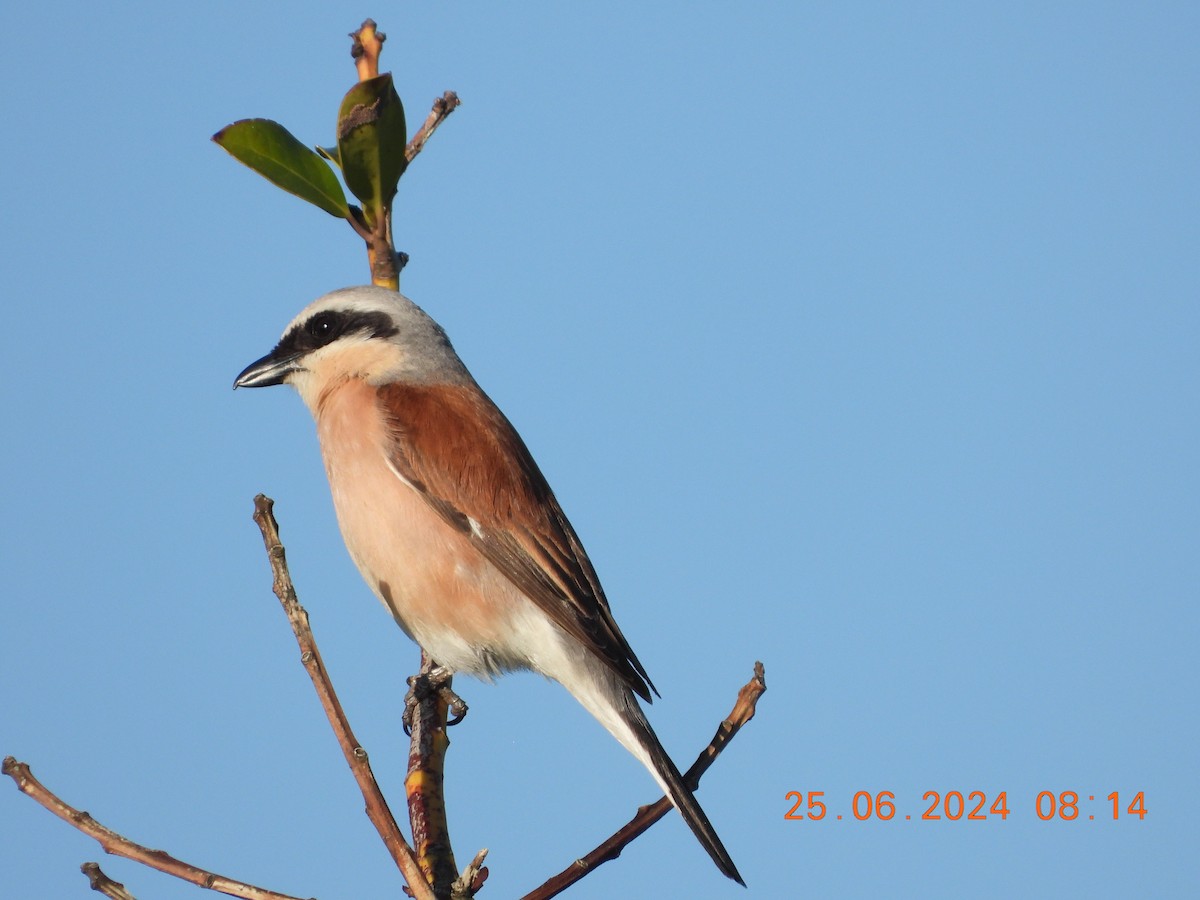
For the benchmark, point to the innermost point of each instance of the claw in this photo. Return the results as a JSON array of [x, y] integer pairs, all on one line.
[[420, 686]]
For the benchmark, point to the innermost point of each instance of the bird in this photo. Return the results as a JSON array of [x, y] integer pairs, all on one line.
[[452, 524]]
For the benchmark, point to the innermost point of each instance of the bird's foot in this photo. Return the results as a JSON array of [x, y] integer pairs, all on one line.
[[426, 684]]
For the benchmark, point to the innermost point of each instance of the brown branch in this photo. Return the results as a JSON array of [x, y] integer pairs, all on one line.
[[102, 884], [382, 258], [442, 107], [743, 712], [423, 784], [377, 807], [118, 845]]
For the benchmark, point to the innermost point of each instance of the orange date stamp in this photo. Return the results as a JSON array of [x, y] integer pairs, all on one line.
[[970, 806]]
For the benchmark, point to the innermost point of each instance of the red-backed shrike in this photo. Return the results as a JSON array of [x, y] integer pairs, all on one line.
[[451, 522]]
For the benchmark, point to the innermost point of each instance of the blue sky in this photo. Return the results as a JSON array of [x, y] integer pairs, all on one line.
[[857, 338]]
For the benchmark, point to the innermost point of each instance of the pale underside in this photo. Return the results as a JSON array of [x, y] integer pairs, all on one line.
[[441, 590]]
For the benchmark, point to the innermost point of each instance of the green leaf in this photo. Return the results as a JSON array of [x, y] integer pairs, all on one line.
[[273, 152], [371, 140]]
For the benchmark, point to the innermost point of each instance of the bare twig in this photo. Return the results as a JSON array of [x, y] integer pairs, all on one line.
[[743, 712], [424, 783], [442, 107], [474, 875], [102, 884], [378, 810], [119, 845]]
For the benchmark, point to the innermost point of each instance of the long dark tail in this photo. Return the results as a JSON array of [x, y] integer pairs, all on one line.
[[609, 698], [684, 800]]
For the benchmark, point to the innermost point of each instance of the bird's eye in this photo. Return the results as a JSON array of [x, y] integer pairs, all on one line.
[[324, 327]]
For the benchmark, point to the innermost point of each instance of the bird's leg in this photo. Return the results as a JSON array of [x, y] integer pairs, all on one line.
[[424, 684]]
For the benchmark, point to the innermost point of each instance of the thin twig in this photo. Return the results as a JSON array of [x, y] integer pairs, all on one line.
[[378, 810], [743, 712], [442, 107], [119, 845], [102, 884], [467, 885]]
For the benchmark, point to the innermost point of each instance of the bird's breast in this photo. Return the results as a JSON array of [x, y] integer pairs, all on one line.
[[440, 589]]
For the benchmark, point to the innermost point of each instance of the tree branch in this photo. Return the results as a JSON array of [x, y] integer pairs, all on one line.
[[102, 884], [442, 107], [378, 810], [424, 783], [743, 712], [119, 845]]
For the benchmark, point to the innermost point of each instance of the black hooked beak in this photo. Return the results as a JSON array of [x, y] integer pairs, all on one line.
[[274, 368]]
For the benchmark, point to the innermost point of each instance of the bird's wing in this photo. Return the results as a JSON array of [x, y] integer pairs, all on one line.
[[455, 448]]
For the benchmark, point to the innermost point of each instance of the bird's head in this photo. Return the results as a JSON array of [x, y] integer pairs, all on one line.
[[367, 333]]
